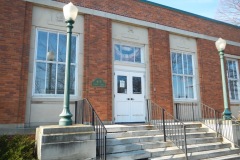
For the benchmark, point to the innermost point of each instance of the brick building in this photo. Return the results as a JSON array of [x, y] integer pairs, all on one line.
[[124, 52]]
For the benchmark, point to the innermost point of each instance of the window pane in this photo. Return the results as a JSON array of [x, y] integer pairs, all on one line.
[[189, 87], [52, 44], [73, 49], [174, 62], [175, 87], [137, 55], [51, 78], [230, 69], [185, 64], [117, 52], [40, 78], [231, 87], [179, 64], [72, 79], [60, 78], [122, 84], [42, 45], [62, 48], [190, 65], [236, 89], [127, 53], [234, 70], [137, 85], [180, 87]]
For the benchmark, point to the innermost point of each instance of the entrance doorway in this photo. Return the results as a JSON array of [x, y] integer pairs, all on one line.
[[129, 94]]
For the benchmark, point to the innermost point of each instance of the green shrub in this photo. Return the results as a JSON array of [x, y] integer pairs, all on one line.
[[17, 147]]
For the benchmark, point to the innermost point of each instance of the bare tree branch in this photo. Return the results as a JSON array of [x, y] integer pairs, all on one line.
[[229, 11]]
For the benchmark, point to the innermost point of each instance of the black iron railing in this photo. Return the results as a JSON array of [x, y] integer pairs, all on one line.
[[190, 111], [224, 128], [172, 128], [85, 114]]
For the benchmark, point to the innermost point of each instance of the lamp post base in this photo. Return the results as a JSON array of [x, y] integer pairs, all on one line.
[[227, 115], [65, 119]]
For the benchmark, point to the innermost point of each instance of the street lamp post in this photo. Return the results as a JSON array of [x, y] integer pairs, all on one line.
[[220, 45], [70, 14]]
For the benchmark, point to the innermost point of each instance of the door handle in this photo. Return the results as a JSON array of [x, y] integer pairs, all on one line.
[[132, 99]]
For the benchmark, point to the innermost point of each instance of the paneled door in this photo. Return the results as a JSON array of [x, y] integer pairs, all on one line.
[[129, 97]]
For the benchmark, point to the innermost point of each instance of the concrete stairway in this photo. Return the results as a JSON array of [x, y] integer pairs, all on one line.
[[141, 141]]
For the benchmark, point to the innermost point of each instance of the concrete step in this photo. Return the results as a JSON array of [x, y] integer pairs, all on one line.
[[175, 157], [157, 152], [200, 133], [178, 125], [194, 130], [137, 146], [213, 154], [192, 141], [128, 127], [135, 127], [228, 157], [141, 154], [203, 140], [175, 153], [207, 146], [134, 133], [128, 140], [195, 135]]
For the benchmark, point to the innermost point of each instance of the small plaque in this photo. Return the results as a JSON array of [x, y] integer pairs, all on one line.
[[98, 82]]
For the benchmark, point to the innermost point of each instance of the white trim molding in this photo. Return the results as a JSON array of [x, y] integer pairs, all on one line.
[[83, 10]]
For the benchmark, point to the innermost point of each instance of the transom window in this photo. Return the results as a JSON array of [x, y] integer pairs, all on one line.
[[183, 77], [126, 53], [50, 57], [233, 79]]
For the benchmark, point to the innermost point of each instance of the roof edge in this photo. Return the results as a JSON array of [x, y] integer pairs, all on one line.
[[188, 13]]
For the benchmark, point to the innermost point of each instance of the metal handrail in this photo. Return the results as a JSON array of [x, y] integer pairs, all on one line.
[[85, 114], [187, 111], [214, 120], [171, 127], [194, 111]]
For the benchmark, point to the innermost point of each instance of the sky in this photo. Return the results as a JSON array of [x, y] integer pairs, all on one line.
[[206, 8]]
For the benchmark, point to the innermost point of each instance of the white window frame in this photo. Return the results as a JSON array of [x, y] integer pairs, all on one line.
[[143, 53], [193, 75], [35, 62], [234, 79]]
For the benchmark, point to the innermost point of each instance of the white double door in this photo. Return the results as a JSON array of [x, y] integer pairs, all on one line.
[[129, 97]]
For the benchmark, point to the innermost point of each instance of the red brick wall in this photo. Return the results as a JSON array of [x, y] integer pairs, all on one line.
[[15, 31], [160, 67], [210, 72], [160, 15], [208, 59], [98, 64]]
